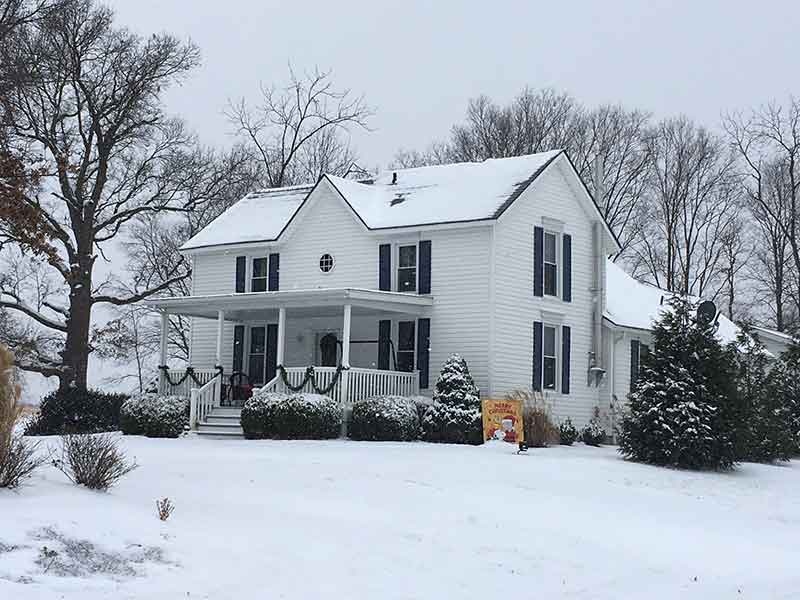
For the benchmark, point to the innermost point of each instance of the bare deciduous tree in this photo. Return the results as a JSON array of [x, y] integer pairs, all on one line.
[[541, 120], [767, 141], [85, 98], [690, 197], [300, 131]]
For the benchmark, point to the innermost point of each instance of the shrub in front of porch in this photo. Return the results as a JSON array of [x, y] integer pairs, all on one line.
[[455, 415], [291, 417], [384, 419], [155, 416], [76, 411]]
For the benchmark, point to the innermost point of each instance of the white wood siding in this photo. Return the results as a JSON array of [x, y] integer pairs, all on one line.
[[459, 285], [516, 308]]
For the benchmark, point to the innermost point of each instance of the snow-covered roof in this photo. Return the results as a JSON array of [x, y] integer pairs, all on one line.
[[257, 217], [454, 193], [631, 303], [442, 193]]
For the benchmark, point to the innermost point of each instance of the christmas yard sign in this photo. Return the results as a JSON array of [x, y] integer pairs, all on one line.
[[502, 420]]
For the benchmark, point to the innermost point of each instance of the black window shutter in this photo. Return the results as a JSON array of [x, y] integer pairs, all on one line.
[[423, 351], [634, 362], [538, 261], [241, 270], [566, 334], [425, 267], [272, 351], [238, 348], [566, 252], [385, 267], [537, 356], [273, 281], [384, 339]]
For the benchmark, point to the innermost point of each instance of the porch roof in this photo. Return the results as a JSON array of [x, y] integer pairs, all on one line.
[[308, 302]]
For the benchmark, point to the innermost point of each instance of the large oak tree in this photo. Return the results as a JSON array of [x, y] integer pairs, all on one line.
[[82, 105]]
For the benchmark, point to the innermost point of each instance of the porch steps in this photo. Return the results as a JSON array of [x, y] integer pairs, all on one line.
[[224, 422]]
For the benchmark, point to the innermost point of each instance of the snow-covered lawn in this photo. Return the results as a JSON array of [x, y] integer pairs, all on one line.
[[314, 520]]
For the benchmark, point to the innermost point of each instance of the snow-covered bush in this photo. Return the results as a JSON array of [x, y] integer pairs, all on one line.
[[95, 461], [76, 411], [567, 434], [455, 415], [153, 415], [295, 416], [593, 434], [422, 404], [384, 419], [683, 411]]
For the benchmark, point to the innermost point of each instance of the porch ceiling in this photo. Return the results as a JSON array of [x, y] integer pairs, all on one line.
[[317, 302]]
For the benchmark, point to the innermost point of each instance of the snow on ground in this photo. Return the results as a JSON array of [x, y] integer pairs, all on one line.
[[339, 519]]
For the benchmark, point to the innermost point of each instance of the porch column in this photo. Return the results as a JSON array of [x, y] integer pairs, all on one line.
[[348, 311], [162, 379], [280, 351], [220, 331], [281, 335], [345, 377]]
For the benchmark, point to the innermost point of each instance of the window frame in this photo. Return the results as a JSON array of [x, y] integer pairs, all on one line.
[[399, 246], [252, 278], [555, 235], [555, 357], [402, 351], [333, 263]]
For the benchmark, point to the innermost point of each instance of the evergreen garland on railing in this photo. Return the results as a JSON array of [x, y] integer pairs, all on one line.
[[309, 376], [188, 373]]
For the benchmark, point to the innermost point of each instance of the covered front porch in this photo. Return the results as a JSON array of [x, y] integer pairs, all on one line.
[[345, 343]]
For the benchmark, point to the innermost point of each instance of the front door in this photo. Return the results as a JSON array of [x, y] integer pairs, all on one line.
[[328, 349], [262, 357]]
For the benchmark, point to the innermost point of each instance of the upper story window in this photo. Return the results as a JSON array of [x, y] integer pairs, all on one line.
[[260, 272], [549, 357], [326, 263], [550, 263], [407, 269]]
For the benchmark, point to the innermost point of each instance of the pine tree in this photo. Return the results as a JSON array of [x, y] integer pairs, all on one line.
[[455, 415], [784, 384], [683, 410], [765, 432], [455, 386]]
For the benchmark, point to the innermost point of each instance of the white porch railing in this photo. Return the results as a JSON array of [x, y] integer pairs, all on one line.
[[360, 383], [184, 388], [202, 401], [363, 383]]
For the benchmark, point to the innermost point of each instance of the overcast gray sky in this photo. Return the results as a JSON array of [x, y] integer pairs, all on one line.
[[417, 63]]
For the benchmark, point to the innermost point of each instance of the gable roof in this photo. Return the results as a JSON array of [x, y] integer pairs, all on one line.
[[434, 195], [258, 217], [635, 305]]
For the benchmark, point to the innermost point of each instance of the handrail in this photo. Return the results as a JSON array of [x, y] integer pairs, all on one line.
[[202, 401]]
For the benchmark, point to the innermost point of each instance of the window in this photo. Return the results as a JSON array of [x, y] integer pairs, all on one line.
[[259, 278], [256, 358], [405, 346], [550, 264], [549, 357], [326, 263], [407, 269]]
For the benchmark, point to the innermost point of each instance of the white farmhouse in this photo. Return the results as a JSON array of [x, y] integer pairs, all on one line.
[[375, 283]]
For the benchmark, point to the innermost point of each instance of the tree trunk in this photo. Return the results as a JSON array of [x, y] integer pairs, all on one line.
[[76, 348]]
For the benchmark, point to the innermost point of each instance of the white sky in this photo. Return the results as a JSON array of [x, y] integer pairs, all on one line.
[[417, 63]]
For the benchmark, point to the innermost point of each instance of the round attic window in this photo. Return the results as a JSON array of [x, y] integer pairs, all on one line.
[[326, 263]]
